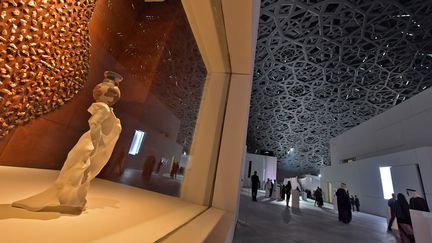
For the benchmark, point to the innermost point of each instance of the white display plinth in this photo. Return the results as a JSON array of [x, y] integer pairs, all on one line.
[[304, 196], [422, 226], [335, 203], [295, 200], [114, 212], [276, 192]]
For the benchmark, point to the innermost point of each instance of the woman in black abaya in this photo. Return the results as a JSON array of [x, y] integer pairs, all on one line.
[[344, 204]]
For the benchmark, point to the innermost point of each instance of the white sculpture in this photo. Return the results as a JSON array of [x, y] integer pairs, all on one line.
[[88, 156]]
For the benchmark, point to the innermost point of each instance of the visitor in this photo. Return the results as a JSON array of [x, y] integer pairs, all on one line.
[[357, 203], [159, 166], [271, 188], [275, 193], [391, 203], [267, 187], [288, 192], [416, 201], [403, 219], [318, 197], [148, 167], [120, 162], [282, 192], [343, 204], [173, 169], [255, 185], [352, 202]]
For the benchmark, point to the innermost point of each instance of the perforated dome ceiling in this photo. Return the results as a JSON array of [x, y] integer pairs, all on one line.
[[323, 67]]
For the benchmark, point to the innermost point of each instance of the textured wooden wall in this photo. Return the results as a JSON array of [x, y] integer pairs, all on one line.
[[152, 47]]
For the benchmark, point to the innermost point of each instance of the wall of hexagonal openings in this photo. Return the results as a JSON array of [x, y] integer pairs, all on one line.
[[44, 56], [323, 67]]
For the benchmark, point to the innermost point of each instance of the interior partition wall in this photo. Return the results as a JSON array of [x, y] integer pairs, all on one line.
[[363, 178], [399, 139]]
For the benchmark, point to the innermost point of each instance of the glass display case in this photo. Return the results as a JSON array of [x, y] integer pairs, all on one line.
[[162, 169], [70, 44]]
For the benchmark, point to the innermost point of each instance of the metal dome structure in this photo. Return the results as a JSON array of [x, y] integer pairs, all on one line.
[[323, 67]]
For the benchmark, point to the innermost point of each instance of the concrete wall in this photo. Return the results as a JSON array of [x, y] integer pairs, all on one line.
[[405, 126], [399, 136], [363, 177]]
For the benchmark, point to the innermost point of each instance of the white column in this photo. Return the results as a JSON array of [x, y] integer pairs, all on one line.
[[200, 169], [231, 155]]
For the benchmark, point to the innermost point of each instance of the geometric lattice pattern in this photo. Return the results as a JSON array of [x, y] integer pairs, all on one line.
[[44, 56], [323, 67], [180, 85]]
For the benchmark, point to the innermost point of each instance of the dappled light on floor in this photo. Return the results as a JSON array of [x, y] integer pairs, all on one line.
[[269, 220]]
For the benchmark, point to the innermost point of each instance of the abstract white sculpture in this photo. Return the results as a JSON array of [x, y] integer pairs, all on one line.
[[88, 156]]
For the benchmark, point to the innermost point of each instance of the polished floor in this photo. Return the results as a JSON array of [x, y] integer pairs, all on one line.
[[270, 221]]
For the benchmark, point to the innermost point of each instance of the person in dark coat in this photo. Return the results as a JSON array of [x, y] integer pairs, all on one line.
[[357, 203], [391, 203], [271, 188], [288, 192], [417, 202], [159, 166], [255, 185], [318, 197], [282, 192], [403, 219], [344, 204], [148, 167], [352, 202]]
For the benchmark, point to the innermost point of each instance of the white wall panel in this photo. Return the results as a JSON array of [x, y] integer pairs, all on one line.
[[265, 166], [363, 177], [405, 126]]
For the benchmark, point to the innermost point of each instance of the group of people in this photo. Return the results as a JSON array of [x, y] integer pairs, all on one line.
[[283, 192], [355, 203], [399, 206], [277, 191], [269, 187], [151, 166], [399, 209], [174, 169]]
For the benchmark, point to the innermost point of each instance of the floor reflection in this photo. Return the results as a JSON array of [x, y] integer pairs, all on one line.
[[158, 182]]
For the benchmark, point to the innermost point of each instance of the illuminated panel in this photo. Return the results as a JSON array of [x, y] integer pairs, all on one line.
[[136, 142], [386, 181]]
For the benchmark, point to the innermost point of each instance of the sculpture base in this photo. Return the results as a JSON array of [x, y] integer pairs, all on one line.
[[118, 211]]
